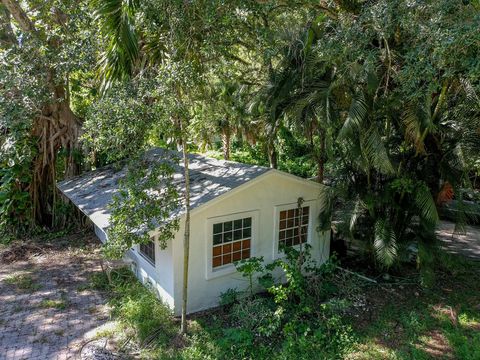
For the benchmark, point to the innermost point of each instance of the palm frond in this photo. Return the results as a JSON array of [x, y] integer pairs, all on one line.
[[117, 18], [356, 116], [326, 199], [375, 152], [426, 206], [413, 133], [385, 243], [356, 213]]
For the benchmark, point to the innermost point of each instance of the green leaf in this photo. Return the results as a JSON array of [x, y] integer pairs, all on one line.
[[385, 243]]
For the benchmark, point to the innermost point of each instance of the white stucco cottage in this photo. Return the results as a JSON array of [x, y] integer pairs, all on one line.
[[237, 211]]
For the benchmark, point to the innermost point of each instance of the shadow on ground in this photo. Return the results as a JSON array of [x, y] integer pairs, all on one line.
[[47, 310]]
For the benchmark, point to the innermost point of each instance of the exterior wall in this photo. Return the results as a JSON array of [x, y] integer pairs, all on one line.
[[159, 278], [261, 199]]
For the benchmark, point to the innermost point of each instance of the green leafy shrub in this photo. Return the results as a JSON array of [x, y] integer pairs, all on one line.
[[257, 316], [300, 318], [229, 297]]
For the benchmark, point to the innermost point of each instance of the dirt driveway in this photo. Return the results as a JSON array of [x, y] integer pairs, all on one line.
[[467, 243], [46, 308]]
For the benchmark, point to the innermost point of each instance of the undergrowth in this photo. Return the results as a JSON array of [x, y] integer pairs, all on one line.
[[288, 321], [319, 313]]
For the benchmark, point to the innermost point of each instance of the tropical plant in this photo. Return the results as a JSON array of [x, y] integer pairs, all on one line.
[[397, 127]]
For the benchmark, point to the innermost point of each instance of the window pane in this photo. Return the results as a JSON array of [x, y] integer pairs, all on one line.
[[227, 237], [217, 261], [237, 256], [237, 234], [227, 248], [237, 224], [247, 222], [227, 259], [217, 239], [217, 228], [227, 226], [247, 232]]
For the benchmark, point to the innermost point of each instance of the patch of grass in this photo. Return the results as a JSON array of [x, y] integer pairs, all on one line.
[[6, 238], [415, 323], [106, 333], [137, 307], [61, 304], [23, 282], [83, 287], [17, 308]]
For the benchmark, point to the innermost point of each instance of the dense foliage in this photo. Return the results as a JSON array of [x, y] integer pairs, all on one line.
[[44, 49], [378, 99]]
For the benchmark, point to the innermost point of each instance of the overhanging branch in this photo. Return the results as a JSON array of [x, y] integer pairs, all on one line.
[[20, 16]]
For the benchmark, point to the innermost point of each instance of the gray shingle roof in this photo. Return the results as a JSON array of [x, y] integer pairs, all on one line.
[[92, 192]]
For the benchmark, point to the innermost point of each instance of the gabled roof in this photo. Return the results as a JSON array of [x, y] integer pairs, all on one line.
[[92, 192]]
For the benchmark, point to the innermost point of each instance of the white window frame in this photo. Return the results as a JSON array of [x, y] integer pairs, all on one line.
[[277, 253], [146, 258], [212, 273]]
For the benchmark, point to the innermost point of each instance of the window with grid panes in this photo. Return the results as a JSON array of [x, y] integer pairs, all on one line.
[[147, 250], [231, 241], [293, 226]]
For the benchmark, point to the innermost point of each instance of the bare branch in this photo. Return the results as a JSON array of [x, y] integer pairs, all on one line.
[[20, 16], [7, 36]]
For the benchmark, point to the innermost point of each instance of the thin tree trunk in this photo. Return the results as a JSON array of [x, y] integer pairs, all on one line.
[[272, 156], [322, 157], [186, 237], [226, 135]]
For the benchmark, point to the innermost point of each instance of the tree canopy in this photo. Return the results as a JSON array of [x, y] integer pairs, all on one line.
[[378, 99]]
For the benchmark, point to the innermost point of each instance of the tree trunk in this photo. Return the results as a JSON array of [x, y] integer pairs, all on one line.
[[56, 128], [226, 134], [322, 157], [20, 16], [186, 237], [7, 37], [272, 156]]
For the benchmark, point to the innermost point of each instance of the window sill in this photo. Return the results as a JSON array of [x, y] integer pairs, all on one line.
[[221, 271], [280, 254], [147, 260]]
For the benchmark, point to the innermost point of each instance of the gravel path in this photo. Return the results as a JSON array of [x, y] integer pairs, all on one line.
[[46, 308]]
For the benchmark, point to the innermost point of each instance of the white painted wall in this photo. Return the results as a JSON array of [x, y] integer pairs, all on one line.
[[261, 197], [158, 277]]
